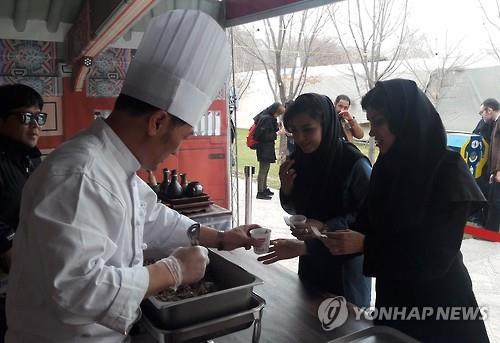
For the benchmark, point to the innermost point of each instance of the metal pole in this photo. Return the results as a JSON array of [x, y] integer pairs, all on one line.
[[249, 172]]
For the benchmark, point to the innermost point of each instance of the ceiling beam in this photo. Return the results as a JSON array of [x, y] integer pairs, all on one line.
[[21, 14], [84, 44], [55, 14]]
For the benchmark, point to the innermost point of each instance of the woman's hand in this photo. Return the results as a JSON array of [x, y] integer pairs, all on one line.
[[305, 231], [344, 242], [282, 249], [287, 176]]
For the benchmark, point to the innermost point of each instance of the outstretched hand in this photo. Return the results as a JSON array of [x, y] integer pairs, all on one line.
[[282, 249]]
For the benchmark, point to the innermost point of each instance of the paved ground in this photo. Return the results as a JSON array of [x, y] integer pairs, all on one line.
[[481, 258]]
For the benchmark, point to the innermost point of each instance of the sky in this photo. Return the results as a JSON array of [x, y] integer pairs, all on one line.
[[461, 20]]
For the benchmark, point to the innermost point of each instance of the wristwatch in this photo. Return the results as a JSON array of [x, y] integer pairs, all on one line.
[[220, 239]]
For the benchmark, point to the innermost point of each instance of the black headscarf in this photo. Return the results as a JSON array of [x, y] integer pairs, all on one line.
[[402, 179], [321, 175], [319, 188]]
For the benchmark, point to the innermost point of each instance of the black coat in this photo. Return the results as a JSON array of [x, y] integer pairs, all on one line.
[[419, 197], [17, 162], [265, 134], [330, 186]]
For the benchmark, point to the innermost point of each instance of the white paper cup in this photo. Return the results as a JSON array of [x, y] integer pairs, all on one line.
[[263, 236], [297, 219]]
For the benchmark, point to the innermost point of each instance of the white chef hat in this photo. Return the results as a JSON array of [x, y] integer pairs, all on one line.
[[181, 64]]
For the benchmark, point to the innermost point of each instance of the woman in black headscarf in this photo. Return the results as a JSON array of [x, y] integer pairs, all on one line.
[[411, 226], [325, 179]]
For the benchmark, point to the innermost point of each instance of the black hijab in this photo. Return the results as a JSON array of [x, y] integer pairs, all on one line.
[[402, 179], [321, 175]]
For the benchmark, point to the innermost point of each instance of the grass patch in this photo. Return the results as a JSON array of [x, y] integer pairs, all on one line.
[[248, 157]]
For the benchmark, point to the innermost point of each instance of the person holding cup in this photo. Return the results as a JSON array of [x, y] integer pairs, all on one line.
[[412, 224], [326, 180]]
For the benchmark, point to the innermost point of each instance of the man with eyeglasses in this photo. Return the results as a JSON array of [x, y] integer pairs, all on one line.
[[490, 111], [20, 122]]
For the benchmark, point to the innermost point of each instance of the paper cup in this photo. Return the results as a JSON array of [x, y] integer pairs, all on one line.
[[297, 219], [263, 236]]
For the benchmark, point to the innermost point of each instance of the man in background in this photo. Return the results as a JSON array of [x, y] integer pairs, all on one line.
[[490, 111], [484, 128], [350, 127], [20, 122]]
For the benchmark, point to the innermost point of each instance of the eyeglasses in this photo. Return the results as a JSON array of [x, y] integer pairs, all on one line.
[[27, 118]]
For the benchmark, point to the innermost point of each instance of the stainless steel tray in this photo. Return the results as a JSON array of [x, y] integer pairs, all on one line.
[[235, 294], [212, 328], [376, 334]]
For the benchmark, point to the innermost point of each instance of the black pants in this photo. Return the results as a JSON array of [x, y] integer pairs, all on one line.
[[493, 219], [262, 177]]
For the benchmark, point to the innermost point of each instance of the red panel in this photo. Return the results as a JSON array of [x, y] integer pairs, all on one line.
[[78, 109], [238, 8], [203, 158]]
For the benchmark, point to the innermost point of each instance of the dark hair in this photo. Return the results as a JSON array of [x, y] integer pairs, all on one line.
[[303, 104], [17, 96], [273, 108], [288, 104], [136, 108], [342, 97], [491, 103]]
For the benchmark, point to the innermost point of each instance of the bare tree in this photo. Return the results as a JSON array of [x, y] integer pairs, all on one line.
[[378, 31], [491, 11], [433, 73], [284, 51]]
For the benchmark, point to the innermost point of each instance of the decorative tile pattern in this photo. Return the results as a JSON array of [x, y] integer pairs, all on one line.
[[27, 58], [108, 72], [111, 63]]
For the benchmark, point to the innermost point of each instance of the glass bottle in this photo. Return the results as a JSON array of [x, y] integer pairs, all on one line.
[[152, 182], [184, 182], [164, 184], [174, 189]]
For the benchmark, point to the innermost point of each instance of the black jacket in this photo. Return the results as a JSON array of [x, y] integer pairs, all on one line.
[[17, 162], [265, 134]]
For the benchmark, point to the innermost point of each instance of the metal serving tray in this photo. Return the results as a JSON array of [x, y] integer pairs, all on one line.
[[234, 295], [376, 334], [213, 328]]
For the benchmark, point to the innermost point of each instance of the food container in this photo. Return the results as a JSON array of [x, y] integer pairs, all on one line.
[[221, 326], [234, 295]]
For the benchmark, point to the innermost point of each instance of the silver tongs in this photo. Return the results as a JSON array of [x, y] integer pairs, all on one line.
[[193, 233]]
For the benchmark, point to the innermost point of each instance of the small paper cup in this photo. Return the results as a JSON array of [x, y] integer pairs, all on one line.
[[263, 236], [297, 219]]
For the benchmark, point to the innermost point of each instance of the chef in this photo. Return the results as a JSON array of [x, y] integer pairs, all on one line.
[[86, 217]]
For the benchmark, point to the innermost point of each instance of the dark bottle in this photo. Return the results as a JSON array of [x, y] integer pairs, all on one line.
[[174, 189], [152, 182], [164, 184], [184, 182]]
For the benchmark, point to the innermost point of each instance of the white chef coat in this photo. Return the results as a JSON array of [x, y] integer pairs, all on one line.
[[77, 273]]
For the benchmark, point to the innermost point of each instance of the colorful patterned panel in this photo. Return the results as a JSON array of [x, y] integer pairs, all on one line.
[[46, 86], [111, 64], [104, 88], [27, 58]]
